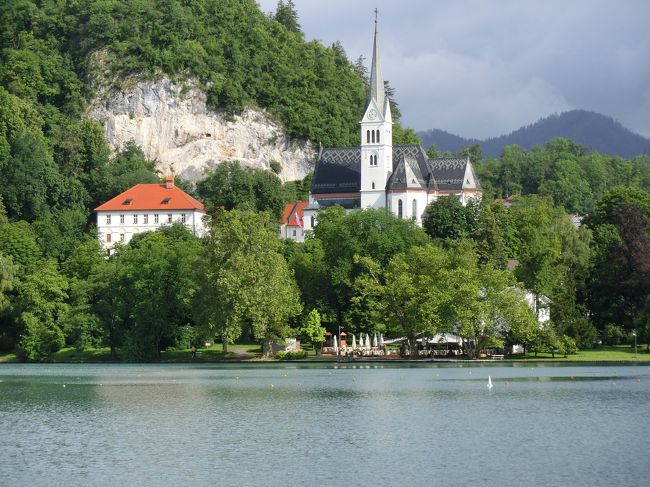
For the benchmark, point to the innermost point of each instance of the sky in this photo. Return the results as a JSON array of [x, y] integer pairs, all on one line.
[[483, 68]]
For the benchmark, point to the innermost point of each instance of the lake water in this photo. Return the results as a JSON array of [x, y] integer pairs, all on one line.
[[271, 424]]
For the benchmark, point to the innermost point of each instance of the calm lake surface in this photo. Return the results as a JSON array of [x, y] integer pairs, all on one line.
[[306, 425]]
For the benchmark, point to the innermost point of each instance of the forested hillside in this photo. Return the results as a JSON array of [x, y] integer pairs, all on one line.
[[591, 130]]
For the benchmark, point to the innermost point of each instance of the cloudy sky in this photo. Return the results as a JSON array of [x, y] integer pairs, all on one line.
[[481, 68]]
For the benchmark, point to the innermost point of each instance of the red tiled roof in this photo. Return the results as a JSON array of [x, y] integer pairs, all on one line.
[[151, 197], [291, 211]]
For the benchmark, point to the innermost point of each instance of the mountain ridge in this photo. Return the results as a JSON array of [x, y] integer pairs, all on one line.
[[593, 130]]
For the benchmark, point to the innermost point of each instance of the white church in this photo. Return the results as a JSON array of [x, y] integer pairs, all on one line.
[[378, 174]]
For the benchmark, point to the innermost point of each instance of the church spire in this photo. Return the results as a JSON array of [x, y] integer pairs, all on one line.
[[377, 92]]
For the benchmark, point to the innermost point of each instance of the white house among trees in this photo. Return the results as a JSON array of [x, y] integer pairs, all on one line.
[[147, 207]]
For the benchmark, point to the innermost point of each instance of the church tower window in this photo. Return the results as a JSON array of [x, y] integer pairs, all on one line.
[[399, 209], [368, 136], [373, 136], [373, 185], [378, 136], [415, 208]]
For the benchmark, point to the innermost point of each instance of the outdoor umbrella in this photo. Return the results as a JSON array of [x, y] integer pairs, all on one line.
[[381, 340], [336, 344], [367, 342], [354, 342], [374, 341]]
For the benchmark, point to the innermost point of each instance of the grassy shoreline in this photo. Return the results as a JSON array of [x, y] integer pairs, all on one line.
[[251, 353]]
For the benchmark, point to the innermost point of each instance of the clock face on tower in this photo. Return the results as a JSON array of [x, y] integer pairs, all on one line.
[[372, 114]]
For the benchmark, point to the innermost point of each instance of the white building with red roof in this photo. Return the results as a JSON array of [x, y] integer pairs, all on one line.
[[146, 208], [292, 225]]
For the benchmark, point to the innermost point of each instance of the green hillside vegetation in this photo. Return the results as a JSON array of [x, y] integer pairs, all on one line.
[[566, 172], [597, 132]]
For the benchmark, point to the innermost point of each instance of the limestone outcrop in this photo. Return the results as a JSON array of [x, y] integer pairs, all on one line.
[[176, 129]]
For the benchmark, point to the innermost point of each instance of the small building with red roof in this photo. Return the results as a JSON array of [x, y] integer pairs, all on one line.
[[291, 225], [146, 208]]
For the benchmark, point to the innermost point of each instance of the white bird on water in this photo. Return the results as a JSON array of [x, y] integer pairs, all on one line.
[[489, 384]]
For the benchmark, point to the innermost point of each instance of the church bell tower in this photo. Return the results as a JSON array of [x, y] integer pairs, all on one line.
[[376, 137]]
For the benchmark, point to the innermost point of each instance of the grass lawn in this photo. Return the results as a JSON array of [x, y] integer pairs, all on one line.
[[253, 351], [72, 355], [622, 353], [8, 357]]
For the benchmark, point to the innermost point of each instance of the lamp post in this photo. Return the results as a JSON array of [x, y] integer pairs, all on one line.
[[634, 335]]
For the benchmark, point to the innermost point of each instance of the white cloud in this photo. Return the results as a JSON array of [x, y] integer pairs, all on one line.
[[479, 68]]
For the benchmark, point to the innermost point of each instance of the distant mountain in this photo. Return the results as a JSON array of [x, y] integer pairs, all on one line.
[[592, 130]]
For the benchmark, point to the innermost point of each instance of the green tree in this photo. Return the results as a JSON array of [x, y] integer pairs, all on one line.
[[377, 234], [423, 290], [619, 283], [312, 328], [41, 300], [230, 186], [245, 280], [286, 14], [155, 286], [446, 218]]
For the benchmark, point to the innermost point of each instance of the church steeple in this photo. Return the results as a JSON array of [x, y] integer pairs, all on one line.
[[377, 92], [376, 137]]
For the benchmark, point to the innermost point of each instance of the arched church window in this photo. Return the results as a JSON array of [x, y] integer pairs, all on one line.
[[313, 222], [375, 159], [373, 136], [415, 208], [399, 209], [373, 185], [378, 136], [368, 136]]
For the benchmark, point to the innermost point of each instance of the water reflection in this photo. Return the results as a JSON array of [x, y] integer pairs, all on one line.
[[362, 424]]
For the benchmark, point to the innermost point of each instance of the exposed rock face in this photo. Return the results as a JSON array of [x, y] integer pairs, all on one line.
[[177, 130]]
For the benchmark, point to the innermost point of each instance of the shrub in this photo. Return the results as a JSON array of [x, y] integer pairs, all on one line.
[[291, 355], [569, 345], [40, 340]]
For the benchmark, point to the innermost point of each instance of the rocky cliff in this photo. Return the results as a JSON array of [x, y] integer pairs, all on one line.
[[177, 130]]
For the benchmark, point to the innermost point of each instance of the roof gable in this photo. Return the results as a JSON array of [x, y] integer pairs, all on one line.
[[152, 197], [293, 213]]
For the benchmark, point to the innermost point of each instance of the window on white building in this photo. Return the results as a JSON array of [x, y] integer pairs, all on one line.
[[156, 219], [108, 238], [108, 219], [146, 219], [169, 218], [415, 208], [378, 136], [368, 136], [399, 209], [313, 221], [373, 185], [294, 233], [373, 136], [183, 217], [121, 237], [122, 219], [135, 218]]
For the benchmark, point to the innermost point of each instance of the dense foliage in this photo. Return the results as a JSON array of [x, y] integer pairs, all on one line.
[[562, 170], [241, 57]]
